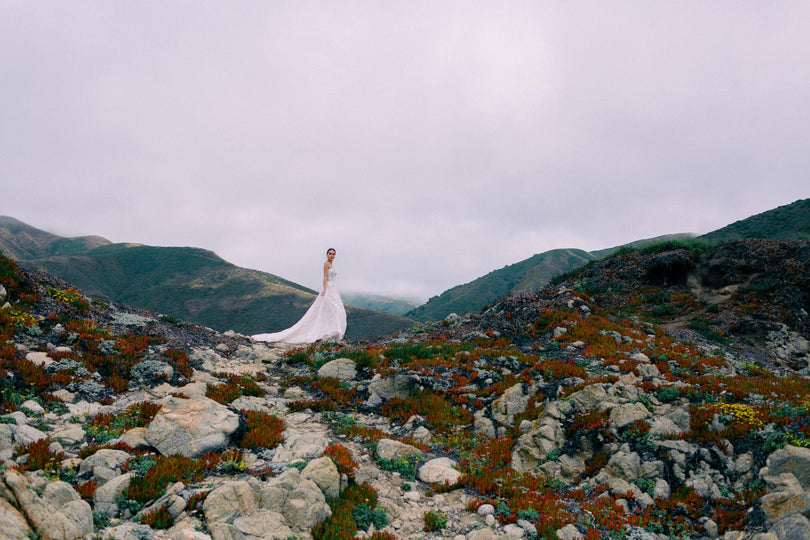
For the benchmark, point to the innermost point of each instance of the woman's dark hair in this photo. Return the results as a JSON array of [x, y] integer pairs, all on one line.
[[331, 249]]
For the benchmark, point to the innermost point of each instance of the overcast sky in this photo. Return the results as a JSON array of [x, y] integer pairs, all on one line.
[[428, 142]]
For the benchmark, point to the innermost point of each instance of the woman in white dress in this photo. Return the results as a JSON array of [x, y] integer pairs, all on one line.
[[325, 320]]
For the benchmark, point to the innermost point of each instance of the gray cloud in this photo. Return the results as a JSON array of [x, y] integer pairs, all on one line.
[[428, 142]]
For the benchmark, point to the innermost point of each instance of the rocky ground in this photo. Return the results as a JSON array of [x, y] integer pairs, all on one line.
[[607, 406]]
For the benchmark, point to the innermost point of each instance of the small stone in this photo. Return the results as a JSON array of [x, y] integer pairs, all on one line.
[[513, 531], [569, 532], [486, 510]]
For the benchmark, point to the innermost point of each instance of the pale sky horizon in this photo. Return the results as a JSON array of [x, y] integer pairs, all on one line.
[[428, 142]]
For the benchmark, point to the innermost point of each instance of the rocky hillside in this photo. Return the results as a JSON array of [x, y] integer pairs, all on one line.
[[22, 242], [789, 222], [658, 394], [189, 284]]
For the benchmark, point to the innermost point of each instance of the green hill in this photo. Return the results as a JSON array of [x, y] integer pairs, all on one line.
[[530, 274], [788, 222], [23, 242], [190, 284]]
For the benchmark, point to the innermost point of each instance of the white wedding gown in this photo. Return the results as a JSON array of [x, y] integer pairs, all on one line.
[[325, 320]]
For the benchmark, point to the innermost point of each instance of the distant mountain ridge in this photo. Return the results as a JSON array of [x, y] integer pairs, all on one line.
[[788, 222], [186, 283], [387, 304], [23, 242]]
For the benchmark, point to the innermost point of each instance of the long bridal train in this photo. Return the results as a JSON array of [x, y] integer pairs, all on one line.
[[325, 320]]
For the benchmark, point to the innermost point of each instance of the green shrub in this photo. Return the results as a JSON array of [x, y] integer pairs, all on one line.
[[364, 516], [434, 521]]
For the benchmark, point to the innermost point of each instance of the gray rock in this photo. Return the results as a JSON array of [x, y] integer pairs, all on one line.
[[791, 459], [625, 465], [786, 498], [104, 465], [59, 513], [591, 398], [325, 474], [39, 358], [391, 449], [514, 531], [33, 407], [647, 370], [25, 434], [483, 425], [674, 422], [533, 447], [484, 533], [513, 401], [527, 526], [12, 522], [399, 385], [340, 368], [439, 471], [486, 510], [627, 414], [300, 446], [264, 524], [795, 527], [662, 489], [105, 497], [191, 427], [569, 532], [151, 371], [230, 501], [305, 505], [6, 437]]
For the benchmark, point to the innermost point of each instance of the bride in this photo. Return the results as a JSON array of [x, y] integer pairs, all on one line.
[[324, 320]]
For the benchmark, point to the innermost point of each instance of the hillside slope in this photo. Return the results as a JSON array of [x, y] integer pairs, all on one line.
[[23, 242], [788, 222], [185, 283], [528, 274]]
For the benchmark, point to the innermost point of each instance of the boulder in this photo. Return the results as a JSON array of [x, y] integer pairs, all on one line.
[[628, 413], [483, 426], [591, 398], [533, 447], [791, 459], [12, 522], [439, 471], [339, 368], [325, 474], [264, 524], [399, 385], [104, 465], [795, 527], [785, 498], [106, 496], [59, 513], [305, 505], [25, 434], [230, 501], [191, 427], [390, 449], [569, 532], [513, 401], [300, 446], [625, 465]]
